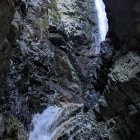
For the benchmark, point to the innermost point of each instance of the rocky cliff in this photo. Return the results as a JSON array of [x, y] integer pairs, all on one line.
[[9, 32], [49, 57], [52, 59], [124, 21], [120, 100], [7, 39]]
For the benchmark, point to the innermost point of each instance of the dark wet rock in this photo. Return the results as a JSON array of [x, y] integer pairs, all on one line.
[[127, 31], [91, 98], [102, 65], [56, 39], [123, 82], [121, 97], [12, 128], [8, 35]]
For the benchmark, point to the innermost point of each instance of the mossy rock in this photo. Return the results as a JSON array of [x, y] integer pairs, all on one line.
[[46, 23], [13, 129], [53, 15], [88, 2]]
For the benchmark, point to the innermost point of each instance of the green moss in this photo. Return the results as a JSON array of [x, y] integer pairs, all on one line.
[[88, 2], [53, 13], [13, 127], [80, 17], [54, 18], [45, 23], [52, 5]]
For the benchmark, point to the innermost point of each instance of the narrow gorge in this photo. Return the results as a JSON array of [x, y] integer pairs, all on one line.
[[69, 70]]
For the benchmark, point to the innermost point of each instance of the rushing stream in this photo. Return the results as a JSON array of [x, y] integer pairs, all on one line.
[[102, 19], [44, 128]]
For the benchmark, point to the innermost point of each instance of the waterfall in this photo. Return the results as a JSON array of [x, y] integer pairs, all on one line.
[[44, 128], [102, 19]]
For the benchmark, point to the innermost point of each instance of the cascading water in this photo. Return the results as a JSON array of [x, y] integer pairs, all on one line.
[[44, 128], [102, 19]]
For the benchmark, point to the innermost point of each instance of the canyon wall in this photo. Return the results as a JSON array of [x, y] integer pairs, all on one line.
[[121, 97], [51, 64], [124, 21], [9, 31], [52, 60], [7, 34]]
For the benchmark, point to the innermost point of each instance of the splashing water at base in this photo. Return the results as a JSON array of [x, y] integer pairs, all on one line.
[[102, 19], [44, 128]]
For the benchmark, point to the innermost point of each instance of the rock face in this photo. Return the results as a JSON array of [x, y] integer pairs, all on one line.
[[121, 97], [50, 48], [12, 128], [73, 124], [53, 58], [120, 100], [126, 74], [7, 39], [70, 122], [124, 21]]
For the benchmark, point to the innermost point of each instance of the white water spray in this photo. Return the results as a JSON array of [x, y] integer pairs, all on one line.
[[44, 128], [102, 19]]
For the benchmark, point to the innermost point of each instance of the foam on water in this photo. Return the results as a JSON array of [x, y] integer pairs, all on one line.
[[44, 128]]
